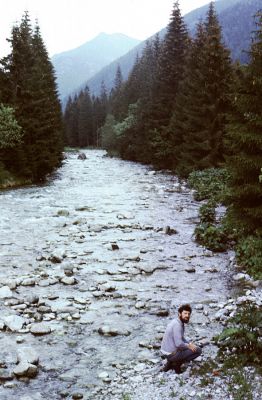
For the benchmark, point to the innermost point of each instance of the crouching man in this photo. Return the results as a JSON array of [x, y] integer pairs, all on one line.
[[174, 347]]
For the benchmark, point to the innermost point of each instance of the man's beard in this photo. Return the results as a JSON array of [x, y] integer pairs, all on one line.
[[184, 320]]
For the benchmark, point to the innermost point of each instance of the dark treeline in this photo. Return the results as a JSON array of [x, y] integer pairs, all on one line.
[[31, 126], [186, 107], [84, 115]]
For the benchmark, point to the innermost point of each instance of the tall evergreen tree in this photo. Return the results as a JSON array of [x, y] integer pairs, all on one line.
[[34, 98], [48, 130], [170, 72], [71, 117], [116, 100], [197, 125], [245, 141], [85, 119]]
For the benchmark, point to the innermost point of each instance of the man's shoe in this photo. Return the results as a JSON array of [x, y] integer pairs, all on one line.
[[178, 369], [166, 367]]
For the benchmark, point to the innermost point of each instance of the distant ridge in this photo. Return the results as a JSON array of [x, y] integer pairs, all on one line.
[[75, 66], [236, 19]]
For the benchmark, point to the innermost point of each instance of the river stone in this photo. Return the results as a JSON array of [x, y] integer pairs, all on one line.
[[11, 283], [103, 375], [81, 156], [14, 322], [109, 331], [25, 369], [40, 329], [62, 213], [68, 280], [28, 282], [6, 375], [190, 270], [27, 354], [77, 395], [33, 299], [5, 292], [241, 277]]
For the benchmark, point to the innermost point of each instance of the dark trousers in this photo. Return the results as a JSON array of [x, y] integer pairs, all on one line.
[[181, 356]]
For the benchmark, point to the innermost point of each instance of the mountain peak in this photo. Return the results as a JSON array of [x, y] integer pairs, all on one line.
[[75, 66]]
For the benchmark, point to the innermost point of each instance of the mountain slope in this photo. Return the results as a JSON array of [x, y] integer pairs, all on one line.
[[236, 19], [75, 66]]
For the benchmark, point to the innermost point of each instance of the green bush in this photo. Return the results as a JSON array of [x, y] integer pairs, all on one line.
[[249, 255], [207, 212], [212, 237], [242, 337], [209, 183]]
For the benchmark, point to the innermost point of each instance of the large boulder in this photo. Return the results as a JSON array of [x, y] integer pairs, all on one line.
[[81, 156]]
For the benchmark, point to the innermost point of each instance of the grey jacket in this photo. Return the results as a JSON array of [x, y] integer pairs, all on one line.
[[173, 339]]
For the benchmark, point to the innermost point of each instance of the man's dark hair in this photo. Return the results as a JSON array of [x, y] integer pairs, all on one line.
[[185, 307]]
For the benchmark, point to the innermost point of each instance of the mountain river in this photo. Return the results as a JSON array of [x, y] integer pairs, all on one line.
[[93, 266]]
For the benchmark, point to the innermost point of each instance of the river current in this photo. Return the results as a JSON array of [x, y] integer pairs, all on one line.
[[102, 255]]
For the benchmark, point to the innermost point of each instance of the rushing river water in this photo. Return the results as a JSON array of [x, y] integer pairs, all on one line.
[[90, 255]]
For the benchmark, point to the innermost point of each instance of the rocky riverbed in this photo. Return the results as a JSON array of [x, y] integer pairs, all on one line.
[[93, 266]]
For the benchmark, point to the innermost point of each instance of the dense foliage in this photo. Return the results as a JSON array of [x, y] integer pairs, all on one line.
[[31, 118], [242, 337]]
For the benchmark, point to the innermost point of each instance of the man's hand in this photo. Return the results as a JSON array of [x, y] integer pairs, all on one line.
[[192, 347]]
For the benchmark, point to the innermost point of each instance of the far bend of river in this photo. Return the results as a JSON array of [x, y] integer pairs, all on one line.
[[101, 224]]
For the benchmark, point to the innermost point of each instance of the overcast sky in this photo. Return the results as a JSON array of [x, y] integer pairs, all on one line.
[[66, 24]]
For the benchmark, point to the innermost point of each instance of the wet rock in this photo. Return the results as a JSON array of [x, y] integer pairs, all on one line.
[[108, 287], [110, 331], [103, 375], [40, 329], [33, 299], [77, 395], [25, 369], [162, 312], [14, 322], [81, 156], [57, 256], [212, 270], [149, 269], [6, 375], [241, 277], [28, 282], [11, 283], [62, 213], [68, 280], [27, 354], [5, 292], [169, 231], [190, 270]]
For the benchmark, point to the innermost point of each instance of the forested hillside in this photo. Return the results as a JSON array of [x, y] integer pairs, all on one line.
[[31, 139]]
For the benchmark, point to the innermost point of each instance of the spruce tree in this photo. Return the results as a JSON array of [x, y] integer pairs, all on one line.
[[71, 118], [48, 130], [85, 119], [116, 100], [245, 142], [170, 71], [34, 98], [197, 125]]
